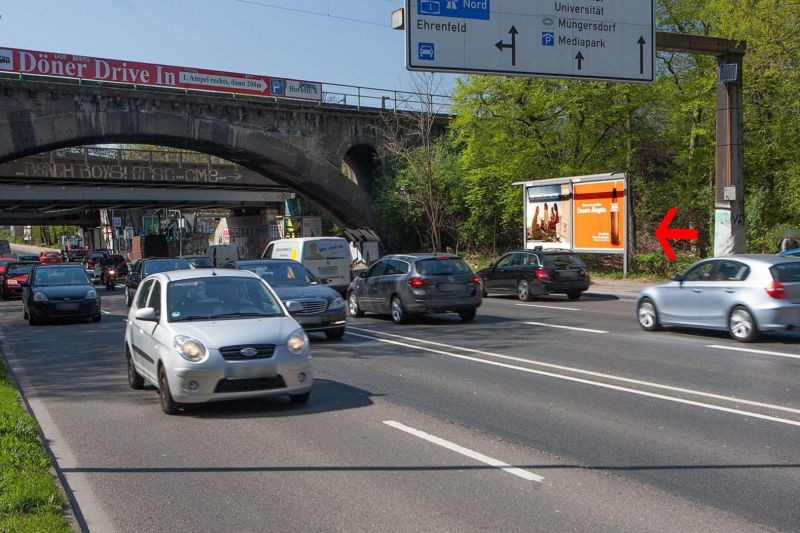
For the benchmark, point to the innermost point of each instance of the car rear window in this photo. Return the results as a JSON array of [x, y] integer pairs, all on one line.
[[558, 260], [164, 266], [788, 272], [433, 266]]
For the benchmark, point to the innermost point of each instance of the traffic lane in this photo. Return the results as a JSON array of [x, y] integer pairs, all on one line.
[[689, 359], [331, 465], [731, 461]]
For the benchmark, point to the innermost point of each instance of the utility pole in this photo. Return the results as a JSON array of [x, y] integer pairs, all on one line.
[[729, 229]]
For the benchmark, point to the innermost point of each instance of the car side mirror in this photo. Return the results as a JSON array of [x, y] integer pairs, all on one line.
[[677, 277], [362, 274], [294, 307], [323, 281], [146, 313]]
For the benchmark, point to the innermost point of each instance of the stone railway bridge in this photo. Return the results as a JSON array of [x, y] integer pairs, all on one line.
[[301, 146]]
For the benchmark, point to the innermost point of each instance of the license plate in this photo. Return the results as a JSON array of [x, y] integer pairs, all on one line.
[[328, 270], [67, 307], [249, 369], [567, 274], [451, 287], [308, 320]]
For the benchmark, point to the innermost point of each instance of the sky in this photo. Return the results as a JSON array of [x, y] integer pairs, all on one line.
[[347, 42]]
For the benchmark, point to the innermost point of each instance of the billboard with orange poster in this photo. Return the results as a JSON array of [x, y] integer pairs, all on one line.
[[599, 215]]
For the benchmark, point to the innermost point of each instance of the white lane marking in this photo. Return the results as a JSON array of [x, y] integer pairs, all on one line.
[[650, 384], [549, 307], [524, 474], [750, 350], [565, 327], [606, 385]]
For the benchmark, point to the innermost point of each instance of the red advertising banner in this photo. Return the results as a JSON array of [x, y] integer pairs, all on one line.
[[113, 70], [599, 215]]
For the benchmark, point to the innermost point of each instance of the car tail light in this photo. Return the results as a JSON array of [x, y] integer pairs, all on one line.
[[542, 275], [418, 283], [777, 290], [476, 279]]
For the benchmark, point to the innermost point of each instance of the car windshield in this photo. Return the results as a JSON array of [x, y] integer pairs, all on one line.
[[18, 270], [59, 276], [560, 260], [282, 274], [220, 297], [153, 267], [436, 265]]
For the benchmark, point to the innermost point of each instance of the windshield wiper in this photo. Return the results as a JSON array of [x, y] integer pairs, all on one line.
[[224, 315], [193, 317]]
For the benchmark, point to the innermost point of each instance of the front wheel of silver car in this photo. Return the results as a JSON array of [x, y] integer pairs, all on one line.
[[524, 290], [648, 315], [742, 326], [353, 307], [168, 403], [399, 314]]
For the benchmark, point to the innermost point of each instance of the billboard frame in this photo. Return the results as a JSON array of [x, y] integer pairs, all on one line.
[[572, 181]]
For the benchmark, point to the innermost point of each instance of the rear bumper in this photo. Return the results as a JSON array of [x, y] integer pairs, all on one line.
[[565, 286], [52, 310], [454, 305], [786, 317]]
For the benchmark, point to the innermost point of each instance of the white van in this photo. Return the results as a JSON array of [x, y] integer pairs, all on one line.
[[325, 257], [222, 253]]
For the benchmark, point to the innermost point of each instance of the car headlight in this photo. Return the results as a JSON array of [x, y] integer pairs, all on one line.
[[39, 297], [297, 342], [338, 303], [190, 349], [91, 294]]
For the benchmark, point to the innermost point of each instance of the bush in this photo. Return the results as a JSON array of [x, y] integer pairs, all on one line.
[[656, 264]]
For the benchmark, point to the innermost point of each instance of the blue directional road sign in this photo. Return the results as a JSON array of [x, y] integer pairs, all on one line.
[[579, 39]]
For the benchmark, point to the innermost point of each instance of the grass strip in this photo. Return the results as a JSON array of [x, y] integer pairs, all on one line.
[[30, 500]]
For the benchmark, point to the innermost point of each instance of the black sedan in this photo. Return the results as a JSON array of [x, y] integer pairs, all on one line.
[[59, 291], [536, 272], [323, 308]]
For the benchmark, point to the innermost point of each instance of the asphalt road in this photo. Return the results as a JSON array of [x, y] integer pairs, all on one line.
[[552, 416]]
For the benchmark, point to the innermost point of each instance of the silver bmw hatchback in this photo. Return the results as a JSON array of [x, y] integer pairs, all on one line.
[[743, 294], [208, 335]]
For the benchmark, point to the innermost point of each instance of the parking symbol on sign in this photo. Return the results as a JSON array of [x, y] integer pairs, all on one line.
[[548, 38], [426, 51]]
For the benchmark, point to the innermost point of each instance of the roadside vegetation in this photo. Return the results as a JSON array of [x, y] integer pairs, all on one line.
[[30, 500], [507, 130]]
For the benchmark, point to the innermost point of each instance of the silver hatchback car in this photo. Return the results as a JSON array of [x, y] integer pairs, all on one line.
[[743, 294], [208, 335]]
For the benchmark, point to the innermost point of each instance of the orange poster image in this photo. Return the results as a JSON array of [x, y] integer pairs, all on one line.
[[599, 215]]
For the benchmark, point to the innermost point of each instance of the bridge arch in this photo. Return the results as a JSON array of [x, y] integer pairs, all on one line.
[[300, 146]]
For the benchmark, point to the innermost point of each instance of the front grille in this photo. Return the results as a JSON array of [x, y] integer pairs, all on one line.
[[249, 385], [234, 353], [311, 307]]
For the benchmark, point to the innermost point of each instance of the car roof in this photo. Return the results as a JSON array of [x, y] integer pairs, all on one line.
[[420, 256], [246, 262], [178, 275], [770, 259], [156, 259], [60, 265]]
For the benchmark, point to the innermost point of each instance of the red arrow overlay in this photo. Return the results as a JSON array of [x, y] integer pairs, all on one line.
[[664, 232]]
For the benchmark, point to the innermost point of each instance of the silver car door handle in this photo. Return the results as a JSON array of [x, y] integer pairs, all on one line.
[[730, 291], [697, 290]]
